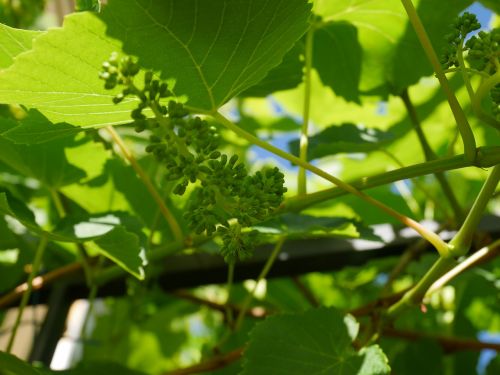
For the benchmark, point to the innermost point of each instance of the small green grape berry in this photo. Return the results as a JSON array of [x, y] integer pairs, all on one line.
[[137, 114], [109, 85], [140, 125], [113, 58], [180, 189], [155, 139], [118, 98], [164, 91], [104, 75], [233, 160], [133, 69], [148, 76]]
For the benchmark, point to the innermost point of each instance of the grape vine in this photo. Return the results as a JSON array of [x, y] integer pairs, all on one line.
[[139, 151]]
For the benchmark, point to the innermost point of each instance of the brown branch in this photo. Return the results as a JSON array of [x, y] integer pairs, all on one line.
[[143, 176], [383, 302], [306, 292], [411, 253], [481, 256], [256, 312], [40, 282], [211, 364], [448, 343]]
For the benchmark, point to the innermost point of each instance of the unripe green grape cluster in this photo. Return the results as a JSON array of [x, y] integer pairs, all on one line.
[[484, 51], [229, 192], [462, 26], [237, 243], [226, 199]]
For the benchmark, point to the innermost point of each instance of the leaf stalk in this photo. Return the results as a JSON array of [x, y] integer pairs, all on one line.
[[37, 261], [466, 133]]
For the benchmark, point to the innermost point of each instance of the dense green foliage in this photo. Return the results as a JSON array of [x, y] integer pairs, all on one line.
[[144, 129]]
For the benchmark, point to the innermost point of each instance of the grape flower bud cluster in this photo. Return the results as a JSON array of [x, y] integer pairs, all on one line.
[[483, 52], [462, 26], [226, 199]]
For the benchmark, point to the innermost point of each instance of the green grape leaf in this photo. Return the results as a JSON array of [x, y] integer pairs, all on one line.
[[59, 75], [11, 365], [121, 247], [380, 24], [407, 359], [301, 225], [87, 5], [18, 210], [491, 4], [337, 58], [111, 232], [285, 76], [118, 235], [392, 57], [314, 342], [46, 162], [210, 64], [7, 237], [13, 42], [409, 62], [344, 138], [35, 128]]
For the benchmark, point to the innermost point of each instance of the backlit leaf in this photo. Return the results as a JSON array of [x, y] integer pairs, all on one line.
[[14, 42], [209, 64], [314, 342], [36, 128], [337, 58], [344, 138]]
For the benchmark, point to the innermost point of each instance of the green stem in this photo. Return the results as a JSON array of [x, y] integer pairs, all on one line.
[[430, 155], [417, 126], [432, 237], [467, 70], [463, 71], [414, 250], [91, 298], [419, 186], [461, 242], [417, 293], [477, 99], [230, 279], [80, 251], [487, 157], [459, 246], [459, 115], [87, 271], [304, 140], [42, 245], [486, 253], [263, 273], [164, 122], [169, 217], [58, 203]]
